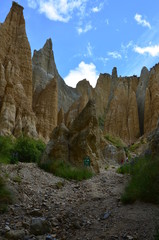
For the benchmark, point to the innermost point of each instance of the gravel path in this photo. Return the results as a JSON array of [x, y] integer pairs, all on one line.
[[90, 209]]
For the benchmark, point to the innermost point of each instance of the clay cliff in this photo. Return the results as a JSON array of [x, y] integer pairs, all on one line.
[[45, 90], [121, 112], [16, 115], [151, 113], [34, 99], [50, 93], [116, 105], [83, 138], [44, 70]]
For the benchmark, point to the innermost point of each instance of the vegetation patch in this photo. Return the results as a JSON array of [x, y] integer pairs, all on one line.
[[116, 141], [23, 149], [6, 147], [5, 196], [144, 181], [125, 168], [28, 149], [66, 170], [134, 146], [17, 179], [59, 185]]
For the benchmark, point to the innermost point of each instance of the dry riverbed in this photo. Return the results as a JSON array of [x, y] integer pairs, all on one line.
[[48, 207]]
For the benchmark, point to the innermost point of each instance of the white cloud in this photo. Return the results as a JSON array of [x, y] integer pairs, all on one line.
[[58, 10], [83, 71], [104, 60], [151, 50], [87, 28], [115, 55], [97, 9], [141, 21], [89, 52], [32, 3], [125, 48]]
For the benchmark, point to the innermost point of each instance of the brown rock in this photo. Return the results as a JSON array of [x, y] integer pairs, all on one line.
[[45, 108], [86, 92], [48, 97], [151, 113], [140, 96], [83, 138], [101, 93], [121, 118], [16, 113], [61, 117]]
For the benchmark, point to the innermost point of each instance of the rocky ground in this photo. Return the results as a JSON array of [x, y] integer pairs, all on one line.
[[48, 207]]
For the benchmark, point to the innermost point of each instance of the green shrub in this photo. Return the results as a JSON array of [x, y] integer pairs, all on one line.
[[24, 149], [125, 168], [144, 181], [5, 196], [134, 146], [6, 147], [65, 170], [116, 141], [28, 149]]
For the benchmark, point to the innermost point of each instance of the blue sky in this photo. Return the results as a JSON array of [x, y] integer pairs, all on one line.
[[92, 37]]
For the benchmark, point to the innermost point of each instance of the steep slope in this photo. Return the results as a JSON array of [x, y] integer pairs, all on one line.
[[121, 115], [50, 91], [151, 113], [16, 113], [86, 92], [82, 138], [141, 95], [44, 70]]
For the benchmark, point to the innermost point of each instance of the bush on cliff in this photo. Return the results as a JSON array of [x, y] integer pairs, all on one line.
[[28, 149], [23, 149], [144, 181], [116, 141]]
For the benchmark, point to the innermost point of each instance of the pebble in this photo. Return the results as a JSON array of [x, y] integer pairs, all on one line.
[[7, 228], [39, 226]]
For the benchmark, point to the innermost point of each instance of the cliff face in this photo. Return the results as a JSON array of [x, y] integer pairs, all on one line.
[[121, 114], [82, 138], [16, 113], [44, 70], [151, 114], [50, 91], [34, 98], [45, 90], [85, 92], [141, 96]]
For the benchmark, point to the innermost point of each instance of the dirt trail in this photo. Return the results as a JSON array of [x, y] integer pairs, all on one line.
[[90, 209]]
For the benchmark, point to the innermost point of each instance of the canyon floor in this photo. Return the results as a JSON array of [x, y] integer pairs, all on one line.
[[86, 210]]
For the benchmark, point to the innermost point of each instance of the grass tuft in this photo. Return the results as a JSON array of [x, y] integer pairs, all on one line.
[[116, 141], [5, 196], [144, 181], [66, 170]]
